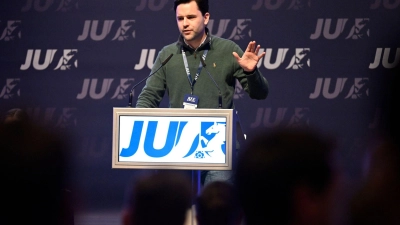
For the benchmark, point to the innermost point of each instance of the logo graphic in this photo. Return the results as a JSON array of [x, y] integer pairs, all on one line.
[[90, 86], [277, 4], [11, 89], [191, 99], [206, 146], [54, 117], [239, 31], [299, 117], [123, 31], [375, 123], [67, 118], [45, 5], [151, 4], [385, 59], [149, 54], [67, 59], [95, 148], [357, 90], [192, 140], [387, 4], [121, 91], [299, 60], [238, 91], [11, 31], [359, 30]]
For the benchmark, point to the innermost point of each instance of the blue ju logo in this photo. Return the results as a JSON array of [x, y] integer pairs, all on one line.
[[209, 140]]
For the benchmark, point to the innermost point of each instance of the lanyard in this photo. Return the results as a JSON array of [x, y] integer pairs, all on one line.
[[198, 69]]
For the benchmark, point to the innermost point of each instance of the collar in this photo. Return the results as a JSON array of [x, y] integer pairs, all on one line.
[[192, 46], [182, 43]]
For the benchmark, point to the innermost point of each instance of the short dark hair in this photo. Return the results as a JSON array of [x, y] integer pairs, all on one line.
[[274, 162], [217, 204], [15, 115], [166, 192], [35, 162], [201, 4]]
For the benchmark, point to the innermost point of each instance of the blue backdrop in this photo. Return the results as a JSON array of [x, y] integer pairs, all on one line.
[[69, 62]]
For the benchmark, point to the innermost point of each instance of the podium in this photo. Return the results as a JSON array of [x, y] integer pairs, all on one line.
[[172, 138], [175, 139]]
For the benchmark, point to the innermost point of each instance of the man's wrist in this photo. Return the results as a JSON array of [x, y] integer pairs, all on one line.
[[250, 72]]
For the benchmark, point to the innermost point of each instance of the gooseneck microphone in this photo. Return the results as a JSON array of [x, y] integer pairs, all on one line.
[[133, 88], [219, 90]]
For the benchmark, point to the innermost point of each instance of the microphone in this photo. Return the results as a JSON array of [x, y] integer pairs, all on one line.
[[162, 64], [219, 90]]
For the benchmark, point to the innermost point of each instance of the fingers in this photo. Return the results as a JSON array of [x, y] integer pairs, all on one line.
[[257, 49], [253, 47], [250, 46], [235, 55], [260, 56]]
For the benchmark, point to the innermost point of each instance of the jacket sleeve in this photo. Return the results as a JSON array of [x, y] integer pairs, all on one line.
[[154, 90], [254, 83]]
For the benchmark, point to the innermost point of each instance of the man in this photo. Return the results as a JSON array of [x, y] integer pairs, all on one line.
[[182, 76], [290, 176]]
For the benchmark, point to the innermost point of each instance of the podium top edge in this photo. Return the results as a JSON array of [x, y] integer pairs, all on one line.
[[175, 110]]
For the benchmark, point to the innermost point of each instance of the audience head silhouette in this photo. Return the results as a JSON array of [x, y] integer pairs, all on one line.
[[217, 204], [16, 115], [377, 200], [34, 172], [287, 176], [158, 198]]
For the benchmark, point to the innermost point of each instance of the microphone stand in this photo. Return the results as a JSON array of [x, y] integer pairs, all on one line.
[[219, 90], [131, 92]]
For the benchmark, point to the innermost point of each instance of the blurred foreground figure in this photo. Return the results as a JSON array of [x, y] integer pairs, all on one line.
[[217, 204], [288, 176], [16, 115], [159, 198], [378, 200], [33, 171]]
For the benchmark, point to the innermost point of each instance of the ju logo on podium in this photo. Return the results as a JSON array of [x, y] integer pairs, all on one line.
[[191, 139]]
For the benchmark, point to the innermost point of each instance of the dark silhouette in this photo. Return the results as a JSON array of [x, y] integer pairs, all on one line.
[[288, 176], [16, 115], [376, 202], [34, 171], [217, 204], [164, 197]]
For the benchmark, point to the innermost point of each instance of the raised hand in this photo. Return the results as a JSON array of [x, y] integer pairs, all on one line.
[[250, 57]]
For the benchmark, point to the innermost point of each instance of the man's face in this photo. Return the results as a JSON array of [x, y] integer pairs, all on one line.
[[191, 22]]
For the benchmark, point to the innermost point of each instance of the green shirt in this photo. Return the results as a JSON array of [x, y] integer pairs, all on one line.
[[172, 77]]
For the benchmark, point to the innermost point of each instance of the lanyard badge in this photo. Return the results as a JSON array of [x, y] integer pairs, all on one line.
[[190, 101]]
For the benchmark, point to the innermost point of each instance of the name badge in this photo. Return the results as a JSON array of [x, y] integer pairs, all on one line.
[[190, 101]]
